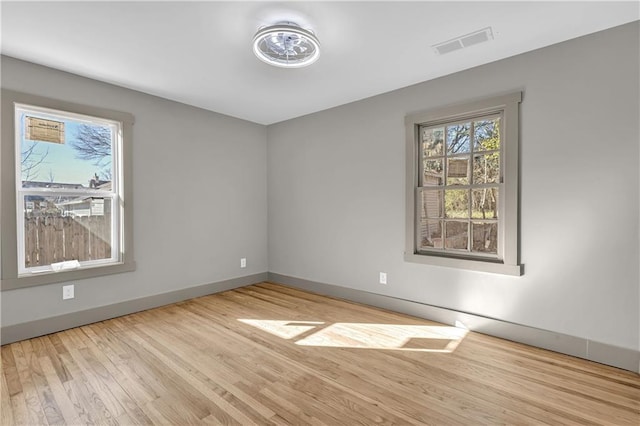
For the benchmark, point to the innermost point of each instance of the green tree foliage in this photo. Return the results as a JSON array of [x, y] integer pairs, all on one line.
[[469, 154], [485, 169]]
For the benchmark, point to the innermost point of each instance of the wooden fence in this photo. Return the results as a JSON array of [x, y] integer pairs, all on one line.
[[50, 239]]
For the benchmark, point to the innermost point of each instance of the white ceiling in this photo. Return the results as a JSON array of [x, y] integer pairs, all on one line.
[[200, 53]]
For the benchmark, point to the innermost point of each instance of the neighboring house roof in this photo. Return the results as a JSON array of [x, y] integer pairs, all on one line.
[[35, 184], [101, 184], [104, 185], [77, 201]]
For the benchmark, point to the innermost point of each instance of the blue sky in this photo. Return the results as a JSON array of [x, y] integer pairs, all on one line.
[[61, 160]]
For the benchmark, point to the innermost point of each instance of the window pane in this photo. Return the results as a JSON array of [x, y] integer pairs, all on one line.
[[431, 204], [486, 168], [486, 135], [458, 171], [484, 203], [485, 237], [457, 235], [58, 229], [458, 138], [433, 173], [456, 203], [431, 234], [432, 142], [57, 152]]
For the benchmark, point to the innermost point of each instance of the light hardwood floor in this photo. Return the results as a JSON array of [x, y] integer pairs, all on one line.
[[269, 354]]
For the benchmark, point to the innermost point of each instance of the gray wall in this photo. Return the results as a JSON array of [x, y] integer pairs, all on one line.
[[336, 192], [199, 195]]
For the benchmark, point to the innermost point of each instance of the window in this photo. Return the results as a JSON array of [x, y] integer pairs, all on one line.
[[72, 210], [68, 190], [462, 186]]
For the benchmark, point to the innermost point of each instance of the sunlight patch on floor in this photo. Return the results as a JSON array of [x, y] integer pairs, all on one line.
[[284, 329], [421, 338]]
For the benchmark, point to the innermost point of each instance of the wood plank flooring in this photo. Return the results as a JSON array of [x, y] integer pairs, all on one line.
[[269, 354]]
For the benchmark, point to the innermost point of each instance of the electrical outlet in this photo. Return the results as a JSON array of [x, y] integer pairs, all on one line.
[[383, 278], [68, 292], [243, 262]]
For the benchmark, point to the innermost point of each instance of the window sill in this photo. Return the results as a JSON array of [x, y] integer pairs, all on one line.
[[63, 276], [468, 264]]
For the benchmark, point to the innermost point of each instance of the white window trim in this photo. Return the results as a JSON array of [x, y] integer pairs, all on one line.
[[509, 105], [12, 278], [114, 194]]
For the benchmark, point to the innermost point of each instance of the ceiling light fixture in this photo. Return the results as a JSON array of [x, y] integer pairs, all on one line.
[[287, 45]]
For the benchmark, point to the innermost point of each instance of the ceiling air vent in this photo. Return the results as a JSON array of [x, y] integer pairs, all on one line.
[[461, 42]]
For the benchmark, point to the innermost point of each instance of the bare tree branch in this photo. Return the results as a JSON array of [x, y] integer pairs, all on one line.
[[93, 143], [31, 160], [457, 138]]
